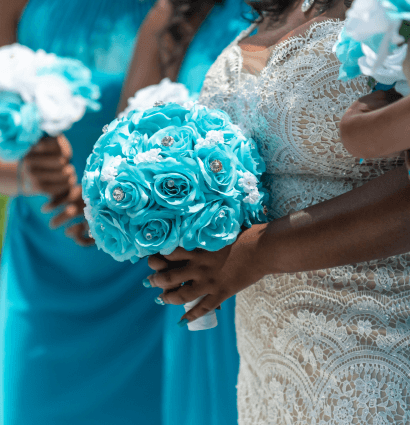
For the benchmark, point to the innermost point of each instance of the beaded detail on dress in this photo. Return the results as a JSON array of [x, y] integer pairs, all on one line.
[[326, 347]]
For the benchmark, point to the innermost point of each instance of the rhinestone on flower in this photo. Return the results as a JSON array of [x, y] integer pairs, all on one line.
[[105, 128], [118, 194], [148, 236], [159, 103], [222, 214], [216, 166], [170, 183], [167, 141], [265, 210]]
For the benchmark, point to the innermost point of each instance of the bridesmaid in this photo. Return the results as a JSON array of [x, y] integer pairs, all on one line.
[[81, 340], [202, 365]]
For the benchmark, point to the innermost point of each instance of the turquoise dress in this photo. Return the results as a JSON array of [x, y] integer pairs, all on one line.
[[201, 368], [81, 338]]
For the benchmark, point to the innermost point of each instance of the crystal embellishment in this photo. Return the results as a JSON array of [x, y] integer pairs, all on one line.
[[307, 4], [170, 183], [216, 166], [159, 103], [118, 194], [105, 128], [148, 236], [167, 141]]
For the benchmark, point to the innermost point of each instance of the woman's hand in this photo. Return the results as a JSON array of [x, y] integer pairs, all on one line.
[[218, 275], [370, 128], [46, 168], [73, 207]]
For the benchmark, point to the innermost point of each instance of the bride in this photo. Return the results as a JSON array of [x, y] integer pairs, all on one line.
[[324, 333]]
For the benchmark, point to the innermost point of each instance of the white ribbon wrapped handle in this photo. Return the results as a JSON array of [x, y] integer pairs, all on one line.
[[208, 321]]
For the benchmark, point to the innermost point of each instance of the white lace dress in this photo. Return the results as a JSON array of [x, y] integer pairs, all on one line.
[[326, 347]]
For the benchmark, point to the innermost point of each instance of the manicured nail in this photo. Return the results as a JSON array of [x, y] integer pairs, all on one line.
[[159, 301], [147, 283], [182, 323]]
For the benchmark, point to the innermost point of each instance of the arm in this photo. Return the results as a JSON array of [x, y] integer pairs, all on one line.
[[145, 66], [367, 223], [373, 127]]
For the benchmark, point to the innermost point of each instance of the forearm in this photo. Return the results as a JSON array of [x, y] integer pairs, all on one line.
[[379, 133], [364, 224], [8, 178], [145, 68]]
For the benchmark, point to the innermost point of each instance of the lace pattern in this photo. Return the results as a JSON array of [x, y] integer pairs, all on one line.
[[326, 347]]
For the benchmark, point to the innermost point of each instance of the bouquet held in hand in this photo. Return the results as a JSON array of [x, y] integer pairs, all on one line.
[[172, 176], [40, 94]]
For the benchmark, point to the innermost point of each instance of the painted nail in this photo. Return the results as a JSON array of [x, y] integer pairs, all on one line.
[[147, 283], [182, 323], [159, 301]]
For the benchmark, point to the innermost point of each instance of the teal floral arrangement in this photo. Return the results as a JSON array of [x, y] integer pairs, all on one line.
[[371, 43], [40, 94], [172, 176]]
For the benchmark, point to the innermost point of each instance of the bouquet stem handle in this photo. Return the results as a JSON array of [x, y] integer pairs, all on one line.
[[208, 321]]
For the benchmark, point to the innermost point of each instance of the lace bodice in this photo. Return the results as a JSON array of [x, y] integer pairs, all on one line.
[[326, 347]]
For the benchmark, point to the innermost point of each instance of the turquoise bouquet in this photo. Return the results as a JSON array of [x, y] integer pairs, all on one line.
[[371, 43], [40, 94], [172, 176]]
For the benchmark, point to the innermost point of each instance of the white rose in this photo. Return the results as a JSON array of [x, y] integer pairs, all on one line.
[[17, 70], [166, 91], [367, 18], [389, 71], [58, 108]]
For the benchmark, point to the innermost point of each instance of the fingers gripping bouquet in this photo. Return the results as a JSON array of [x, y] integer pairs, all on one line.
[[172, 176], [40, 94]]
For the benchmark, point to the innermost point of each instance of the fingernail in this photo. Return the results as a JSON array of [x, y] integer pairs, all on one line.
[[147, 283], [159, 301], [183, 323]]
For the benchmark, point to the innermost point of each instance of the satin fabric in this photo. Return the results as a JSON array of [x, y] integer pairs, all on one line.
[[81, 338], [201, 367]]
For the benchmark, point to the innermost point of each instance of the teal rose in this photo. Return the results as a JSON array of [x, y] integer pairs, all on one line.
[[249, 158], [208, 119], [175, 140], [128, 192], [175, 184], [112, 234], [254, 213], [19, 126], [349, 52], [218, 167], [214, 227], [157, 118], [156, 231]]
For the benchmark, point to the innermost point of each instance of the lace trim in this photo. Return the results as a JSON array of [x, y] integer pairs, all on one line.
[[326, 347]]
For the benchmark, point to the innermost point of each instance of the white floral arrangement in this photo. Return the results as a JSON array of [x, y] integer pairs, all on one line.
[[164, 92], [40, 94], [371, 44]]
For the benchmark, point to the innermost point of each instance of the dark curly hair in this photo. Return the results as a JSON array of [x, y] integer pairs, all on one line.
[[174, 41], [277, 8]]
